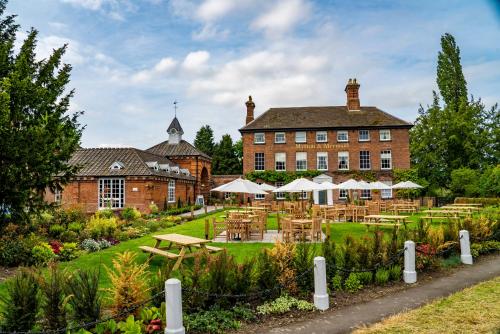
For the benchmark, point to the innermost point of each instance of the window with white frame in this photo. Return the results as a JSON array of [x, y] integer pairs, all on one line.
[[259, 138], [364, 135], [385, 135], [386, 193], [280, 161], [300, 137], [111, 193], [322, 160], [343, 160], [342, 136], [227, 196], [171, 191], [279, 195], [385, 159], [303, 195], [301, 161], [366, 194], [260, 196], [364, 160], [279, 138], [57, 196], [259, 161], [342, 194], [321, 137]]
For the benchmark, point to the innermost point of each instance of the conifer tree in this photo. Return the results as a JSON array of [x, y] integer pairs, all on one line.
[[204, 140]]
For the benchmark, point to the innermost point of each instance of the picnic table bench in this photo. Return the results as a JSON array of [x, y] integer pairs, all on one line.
[[384, 220], [442, 215], [188, 247]]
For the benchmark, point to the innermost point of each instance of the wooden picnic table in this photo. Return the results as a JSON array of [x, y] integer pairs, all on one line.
[[467, 204], [188, 247], [303, 223], [403, 207], [461, 208], [443, 214], [394, 220]]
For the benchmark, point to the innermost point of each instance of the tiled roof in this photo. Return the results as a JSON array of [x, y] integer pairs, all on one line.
[[97, 162], [172, 150], [323, 117], [175, 125]]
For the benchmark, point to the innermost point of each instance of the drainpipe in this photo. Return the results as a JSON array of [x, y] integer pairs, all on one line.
[[196, 184]]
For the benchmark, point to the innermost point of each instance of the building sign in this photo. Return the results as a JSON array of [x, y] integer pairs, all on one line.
[[321, 146]]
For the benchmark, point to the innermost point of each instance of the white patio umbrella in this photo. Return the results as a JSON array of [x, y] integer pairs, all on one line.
[[298, 186], [327, 185], [406, 185], [350, 184], [379, 186], [266, 187], [240, 186]]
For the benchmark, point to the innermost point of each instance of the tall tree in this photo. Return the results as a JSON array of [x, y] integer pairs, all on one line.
[[225, 160], [204, 140], [453, 132], [37, 136]]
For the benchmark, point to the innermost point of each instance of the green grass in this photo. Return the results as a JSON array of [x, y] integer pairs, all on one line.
[[473, 310]]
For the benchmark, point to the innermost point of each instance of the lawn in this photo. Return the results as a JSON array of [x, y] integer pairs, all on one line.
[[473, 310]]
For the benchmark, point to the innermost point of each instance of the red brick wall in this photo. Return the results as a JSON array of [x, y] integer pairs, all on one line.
[[399, 145], [195, 167]]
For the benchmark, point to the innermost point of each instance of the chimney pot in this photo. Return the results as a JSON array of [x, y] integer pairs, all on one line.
[[352, 91], [250, 109]]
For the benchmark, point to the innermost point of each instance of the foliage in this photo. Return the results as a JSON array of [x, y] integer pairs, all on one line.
[[268, 272], [365, 277], [204, 140], [303, 263], [483, 201], [16, 250], [130, 326], [465, 182], [158, 283], [284, 304], [54, 300], [153, 208], [20, 305], [129, 282], [130, 213], [224, 159], [75, 227], [69, 251], [283, 255], [409, 175], [178, 211], [38, 133], [56, 230], [90, 245], [382, 276], [484, 247], [42, 254], [100, 226], [216, 320], [337, 282], [489, 182], [353, 283], [395, 272], [82, 289], [272, 176]]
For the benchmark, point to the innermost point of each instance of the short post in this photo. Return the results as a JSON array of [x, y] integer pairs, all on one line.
[[465, 255], [192, 212], [206, 209], [206, 228], [321, 299], [409, 273], [328, 231], [215, 205], [173, 299]]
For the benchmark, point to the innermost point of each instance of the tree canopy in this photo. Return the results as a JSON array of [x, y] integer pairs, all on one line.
[[225, 159], [454, 131], [204, 140], [37, 134]]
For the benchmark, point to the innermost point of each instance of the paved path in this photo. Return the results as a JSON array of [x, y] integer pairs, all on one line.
[[198, 212], [347, 319]]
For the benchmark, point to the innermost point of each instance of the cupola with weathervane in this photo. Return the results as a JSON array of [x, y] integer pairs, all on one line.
[[175, 132]]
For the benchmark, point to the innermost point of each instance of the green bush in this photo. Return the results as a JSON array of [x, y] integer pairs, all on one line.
[[130, 214], [489, 183], [395, 272], [99, 226], [484, 247], [69, 251], [365, 277], [153, 226], [53, 299], [85, 300], [42, 254], [75, 227], [215, 320], [465, 182], [153, 208], [479, 200], [69, 236], [90, 245], [105, 213], [284, 304], [20, 305], [382, 276], [55, 230], [353, 283], [267, 272], [337, 282], [302, 263], [16, 251]]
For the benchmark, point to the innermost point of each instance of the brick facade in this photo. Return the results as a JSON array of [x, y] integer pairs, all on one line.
[[199, 167]]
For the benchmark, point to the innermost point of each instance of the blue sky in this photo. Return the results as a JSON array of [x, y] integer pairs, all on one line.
[[132, 58]]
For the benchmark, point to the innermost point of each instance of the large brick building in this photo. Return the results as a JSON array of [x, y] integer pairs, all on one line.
[[340, 141], [128, 177]]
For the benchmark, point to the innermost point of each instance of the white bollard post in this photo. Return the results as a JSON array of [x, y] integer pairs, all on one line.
[[321, 299], [409, 273], [173, 299], [465, 256]]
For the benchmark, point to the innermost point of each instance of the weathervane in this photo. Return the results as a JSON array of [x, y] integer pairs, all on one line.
[[175, 108]]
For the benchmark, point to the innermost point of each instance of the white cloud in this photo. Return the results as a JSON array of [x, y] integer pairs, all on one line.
[[282, 17], [165, 65], [210, 31], [195, 62], [211, 10], [87, 4], [114, 9], [47, 44]]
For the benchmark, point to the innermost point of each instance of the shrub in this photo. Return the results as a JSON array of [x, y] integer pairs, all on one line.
[[365, 277], [75, 227], [129, 282], [353, 283], [90, 245], [484, 247], [69, 236], [16, 250], [284, 304], [153, 226], [106, 214], [153, 208], [283, 255], [20, 305], [465, 181], [130, 214], [69, 251], [244, 276], [103, 244], [328, 249], [42, 254], [303, 264], [54, 301], [212, 321], [337, 282], [267, 272], [55, 230], [99, 226], [83, 288], [395, 272], [158, 283], [220, 275], [382, 276]]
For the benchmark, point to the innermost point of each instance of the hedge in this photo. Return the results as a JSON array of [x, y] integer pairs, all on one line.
[[479, 200]]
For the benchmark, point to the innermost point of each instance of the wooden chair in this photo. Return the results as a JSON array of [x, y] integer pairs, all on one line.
[[219, 228], [373, 209], [256, 229], [316, 229], [237, 227], [286, 229]]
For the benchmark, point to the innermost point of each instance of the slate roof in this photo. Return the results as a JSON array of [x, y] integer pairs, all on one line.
[[323, 118], [172, 150], [97, 162], [175, 125]]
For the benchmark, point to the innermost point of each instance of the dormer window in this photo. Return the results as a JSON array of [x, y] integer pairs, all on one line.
[[117, 165], [165, 167], [185, 171], [175, 169], [153, 165]]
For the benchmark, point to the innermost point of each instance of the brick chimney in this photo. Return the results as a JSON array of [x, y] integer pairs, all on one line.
[[352, 91], [250, 108]]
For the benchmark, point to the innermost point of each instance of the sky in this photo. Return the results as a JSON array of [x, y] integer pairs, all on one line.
[[133, 58]]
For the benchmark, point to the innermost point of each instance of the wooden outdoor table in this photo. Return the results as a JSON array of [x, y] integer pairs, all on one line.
[[443, 214], [461, 208], [403, 207], [467, 204], [376, 219], [188, 247], [303, 223]]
